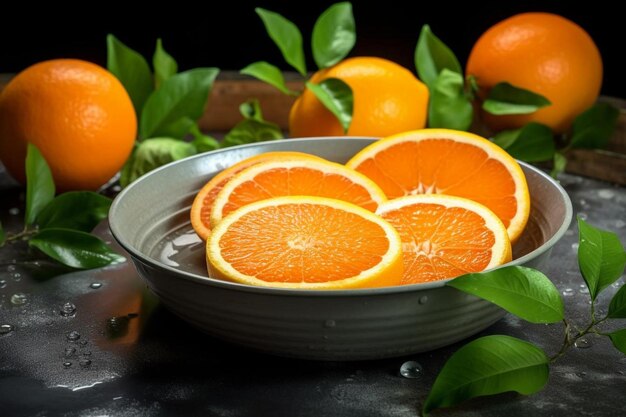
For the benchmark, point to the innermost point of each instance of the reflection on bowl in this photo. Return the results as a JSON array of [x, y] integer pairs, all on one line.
[[150, 219]]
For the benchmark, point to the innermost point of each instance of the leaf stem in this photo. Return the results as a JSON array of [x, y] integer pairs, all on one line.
[[21, 235], [567, 342]]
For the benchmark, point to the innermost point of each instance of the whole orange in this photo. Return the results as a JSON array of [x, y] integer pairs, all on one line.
[[545, 53], [388, 99], [78, 115]]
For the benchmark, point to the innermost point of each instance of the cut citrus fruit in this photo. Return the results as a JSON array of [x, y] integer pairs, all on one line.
[[311, 177], [305, 242], [202, 204], [445, 236], [442, 161]]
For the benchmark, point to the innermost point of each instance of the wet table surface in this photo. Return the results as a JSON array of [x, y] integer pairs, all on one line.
[[121, 353]]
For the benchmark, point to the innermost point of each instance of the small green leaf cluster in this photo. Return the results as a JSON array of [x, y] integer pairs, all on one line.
[[454, 98], [497, 363], [332, 40], [167, 103], [60, 226]]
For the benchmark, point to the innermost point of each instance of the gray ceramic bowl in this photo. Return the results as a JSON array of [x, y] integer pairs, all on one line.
[[150, 219]]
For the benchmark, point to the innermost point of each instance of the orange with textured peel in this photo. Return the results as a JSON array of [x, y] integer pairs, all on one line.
[[388, 99], [545, 53], [77, 114]]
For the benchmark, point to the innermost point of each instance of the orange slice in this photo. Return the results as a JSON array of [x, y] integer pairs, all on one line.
[[442, 161], [446, 236], [312, 177], [305, 242], [202, 204]]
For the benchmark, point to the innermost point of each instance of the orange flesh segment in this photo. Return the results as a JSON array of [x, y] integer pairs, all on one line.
[[201, 209], [441, 242], [471, 173], [303, 243], [298, 181]]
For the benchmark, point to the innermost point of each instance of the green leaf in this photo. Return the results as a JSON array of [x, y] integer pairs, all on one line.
[[532, 143], [164, 65], [601, 257], [3, 235], [449, 107], [337, 97], [433, 56], [131, 69], [184, 95], [77, 210], [486, 366], [153, 153], [617, 308], [619, 340], [559, 162], [505, 98], [268, 73], [334, 35], [593, 128], [250, 131], [251, 109], [178, 129], [286, 36], [39, 184], [525, 292], [74, 248], [202, 142]]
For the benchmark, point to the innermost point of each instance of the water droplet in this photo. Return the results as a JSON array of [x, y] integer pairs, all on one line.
[[3, 283], [583, 202], [330, 323], [95, 285], [583, 289], [84, 363], [83, 343], [68, 309], [67, 364], [73, 336], [5, 328], [411, 369], [568, 292], [616, 284], [581, 374], [88, 353], [575, 247], [423, 299], [116, 188], [582, 216], [69, 351], [14, 211], [582, 343], [11, 268], [16, 276], [19, 299], [606, 194], [620, 223]]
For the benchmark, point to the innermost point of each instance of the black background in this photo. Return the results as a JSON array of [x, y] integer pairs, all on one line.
[[229, 35]]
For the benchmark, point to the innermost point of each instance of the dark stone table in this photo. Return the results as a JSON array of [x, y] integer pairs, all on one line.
[[132, 357]]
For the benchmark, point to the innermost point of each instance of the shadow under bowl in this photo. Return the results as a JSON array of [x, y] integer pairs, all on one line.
[[150, 220]]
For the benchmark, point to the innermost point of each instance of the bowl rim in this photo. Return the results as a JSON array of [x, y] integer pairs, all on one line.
[[136, 254]]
